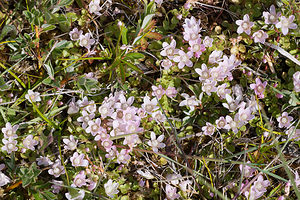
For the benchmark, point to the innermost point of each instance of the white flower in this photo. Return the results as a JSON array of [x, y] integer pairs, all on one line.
[[10, 131], [169, 49], [10, 145], [171, 192], [44, 161], [94, 7], [73, 108], [215, 57], [29, 142], [78, 160], [286, 23], [156, 143], [4, 179], [209, 87], [183, 59], [111, 188], [33, 96], [57, 169], [149, 105], [204, 72], [208, 41], [106, 110], [159, 116], [86, 41], [71, 144], [191, 102], [244, 25], [75, 34]]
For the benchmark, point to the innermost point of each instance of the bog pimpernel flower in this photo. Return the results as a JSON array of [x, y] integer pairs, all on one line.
[[271, 17], [158, 91], [78, 160], [286, 23], [245, 25], [171, 192], [33, 96], [284, 120], [70, 144], [171, 92], [156, 143], [259, 88], [191, 102], [183, 59], [166, 64], [86, 41], [204, 72], [10, 145], [4, 179], [209, 129], [75, 34], [111, 188], [94, 7], [260, 36], [57, 169], [10, 131], [296, 81], [29, 142], [169, 50]]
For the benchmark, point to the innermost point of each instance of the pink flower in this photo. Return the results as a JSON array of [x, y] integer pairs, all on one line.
[[156, 143], [10, 131], [94, 7], [107, 144], [215, 57], [247, 170], [171, 92], [85, 118], [192, 25], [271, 17], [86, 41], [209, 129], [296, 81], [70, 144], [284, 120], [166, 64], [57, 186], [123, 103], [123, 156], [10, 145], [208, 41], [158, 91], [244, 25], [191, 102], [259, 186], [191, 36], [79, 180], [159, 116], [204, 72], [221, 122], [222, 91], [286, 23], [78, 160], [75, 34], [197, 47], [209, 87], [259, 87], [149, 105], [95, 127], [57, 169], [169, 50], [260, 36], [29, 142], [106, 110], [245, 115], [294, 133], [171, 192], [232, 124], [184, 59]]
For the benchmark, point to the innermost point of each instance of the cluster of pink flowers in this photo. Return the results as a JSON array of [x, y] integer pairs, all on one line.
[[257, 189], [271, 17], [159, 91], [10, 142], [85, 40]]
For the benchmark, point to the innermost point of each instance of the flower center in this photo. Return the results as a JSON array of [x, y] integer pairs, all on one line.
[[205, 74], [86, 118], [158, 117], [233, 124], [259, 34], [210, 129], [95, 127], [221, 123], [120, 114], [245, 25], [190, 102], [128, 116], [132, 128], [84, 42], [272, 18], [124, 106], [10, 146], [244, 117], [78, 181], [149, 107], [75, 36], [56, 170], [104, 110], [260, 88], [184, 58], [194, 36], [9, 133], [158, 92], [71, 145], [77, 161], [170, 52], [284, 120], [196, 47]]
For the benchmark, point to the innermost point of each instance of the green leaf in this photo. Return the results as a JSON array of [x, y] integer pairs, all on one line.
[[132, 66], [49, 69], [48, 195], [122, 72], [29, 175], [65, 3], [48, 27], [124, 35], [8, 29], [147, 20], [134, 56]]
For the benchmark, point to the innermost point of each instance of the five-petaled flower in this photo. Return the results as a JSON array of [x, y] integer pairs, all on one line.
[[245, 25]]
